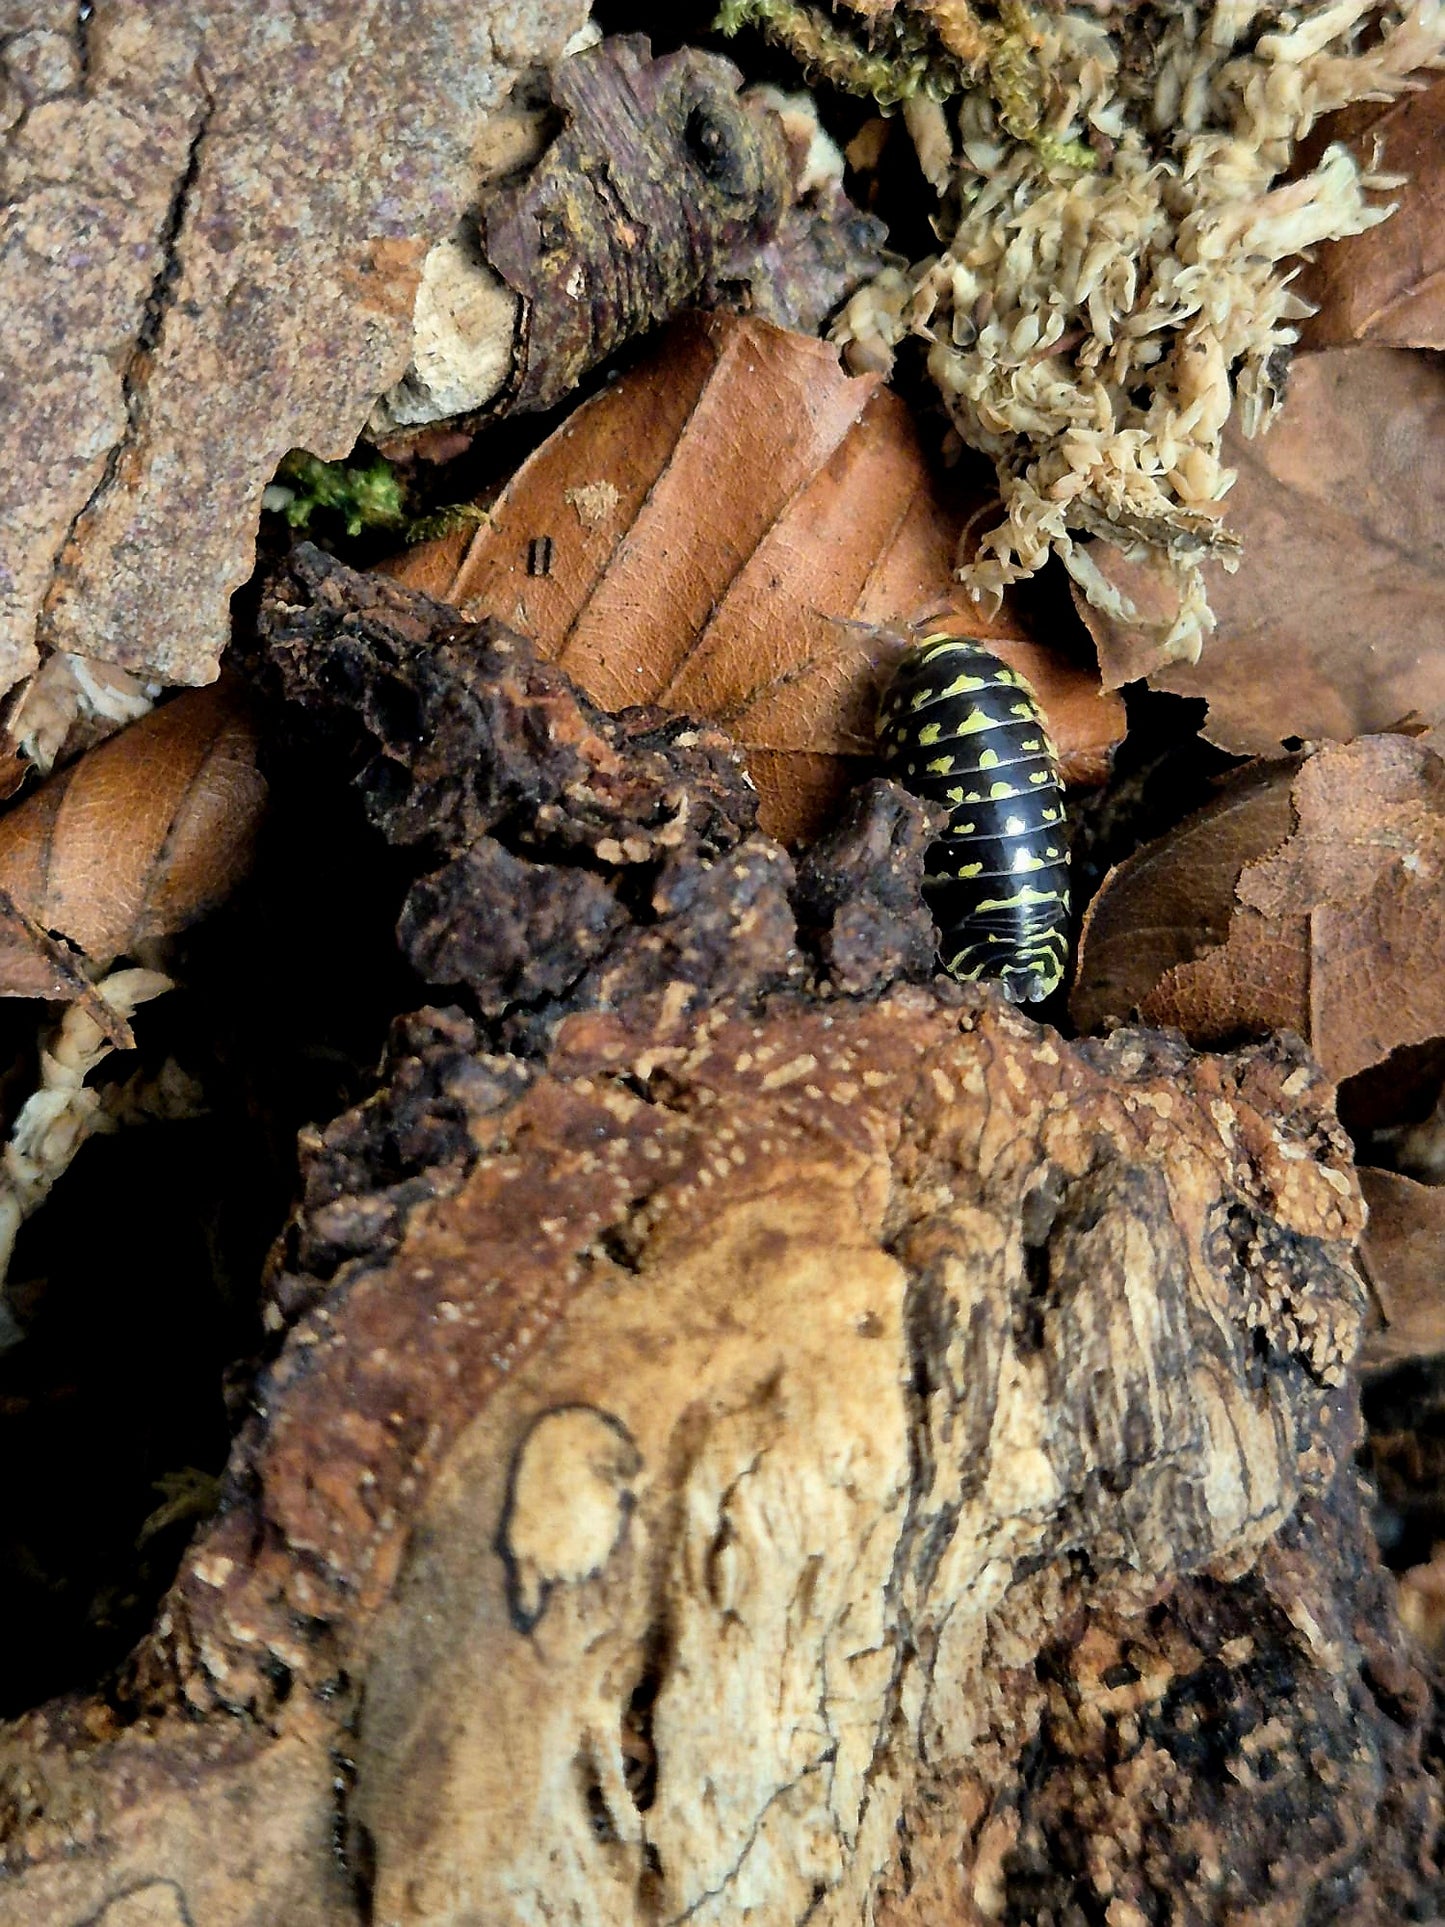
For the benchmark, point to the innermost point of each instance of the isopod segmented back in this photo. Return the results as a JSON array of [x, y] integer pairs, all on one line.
[[957, 726]]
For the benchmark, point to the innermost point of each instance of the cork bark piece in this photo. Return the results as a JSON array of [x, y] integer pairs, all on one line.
[[216, 219], [780, 1442], [694, 1471]]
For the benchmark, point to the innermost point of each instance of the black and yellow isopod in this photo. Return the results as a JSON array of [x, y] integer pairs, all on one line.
[[956, 726]]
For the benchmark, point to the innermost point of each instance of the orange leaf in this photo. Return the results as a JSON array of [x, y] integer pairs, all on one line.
[[135, 840], [1400, 1252], [1174, 900], [1334, 929], [704, 532]]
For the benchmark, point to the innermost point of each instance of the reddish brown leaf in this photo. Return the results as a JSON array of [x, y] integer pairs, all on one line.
[[1332, 626], [709, 533], [1175, 899], [135, 840], [1401, 1253], [1336, 934], [1387, 285]]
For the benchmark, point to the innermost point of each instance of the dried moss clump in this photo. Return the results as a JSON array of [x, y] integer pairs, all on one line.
[[1114, 183]]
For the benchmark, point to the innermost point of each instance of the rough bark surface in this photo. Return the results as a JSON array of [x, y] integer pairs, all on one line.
[[216, 219], [660, 183], [741, 1412], [767, 1454]]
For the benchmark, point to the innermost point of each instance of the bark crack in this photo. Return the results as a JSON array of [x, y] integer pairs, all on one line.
[[140, 361], [84, 16], [779, 1793]]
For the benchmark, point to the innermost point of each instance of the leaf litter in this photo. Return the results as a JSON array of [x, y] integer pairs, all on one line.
[[1332, 625], [718, 531], [1386, 286], [1310, 896]]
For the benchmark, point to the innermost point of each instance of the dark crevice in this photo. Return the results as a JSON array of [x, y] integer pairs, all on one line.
[[163, 287], [84, 16], [352, 1843], [639, 1751], [594, 1801], [650, 1884], [1029, 1316], [622, 1243]]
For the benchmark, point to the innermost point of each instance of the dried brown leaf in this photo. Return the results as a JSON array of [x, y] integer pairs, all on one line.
[[703, 533], [1337, 933], [1401, 1253], [1175, 899], [1422, 1602], [129, 844], [1387, 285], [1332, 626]]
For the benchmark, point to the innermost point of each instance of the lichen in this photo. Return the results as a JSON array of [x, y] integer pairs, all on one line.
[[1094, 328]]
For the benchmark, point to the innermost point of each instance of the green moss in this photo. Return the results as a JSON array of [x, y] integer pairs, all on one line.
[[904, 57], [901, 63], [366, 494]]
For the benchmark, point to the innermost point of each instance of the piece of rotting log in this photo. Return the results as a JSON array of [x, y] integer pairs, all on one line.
[[786, 1447]]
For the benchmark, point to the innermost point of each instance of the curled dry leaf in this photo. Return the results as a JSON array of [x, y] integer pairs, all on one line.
[[1176, 898], [1387, 285], [67, 707], [1336, 927], [1308, 898], [1400, 1252], [1332, 626], [135, 840], [709, 534]]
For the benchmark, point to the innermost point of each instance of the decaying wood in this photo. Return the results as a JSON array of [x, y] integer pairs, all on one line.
[[715, 532], [216, 220], [746, 1414], [644, 186], [759, 1455]]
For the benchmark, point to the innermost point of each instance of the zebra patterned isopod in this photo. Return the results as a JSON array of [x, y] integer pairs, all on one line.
[[956, 726]]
